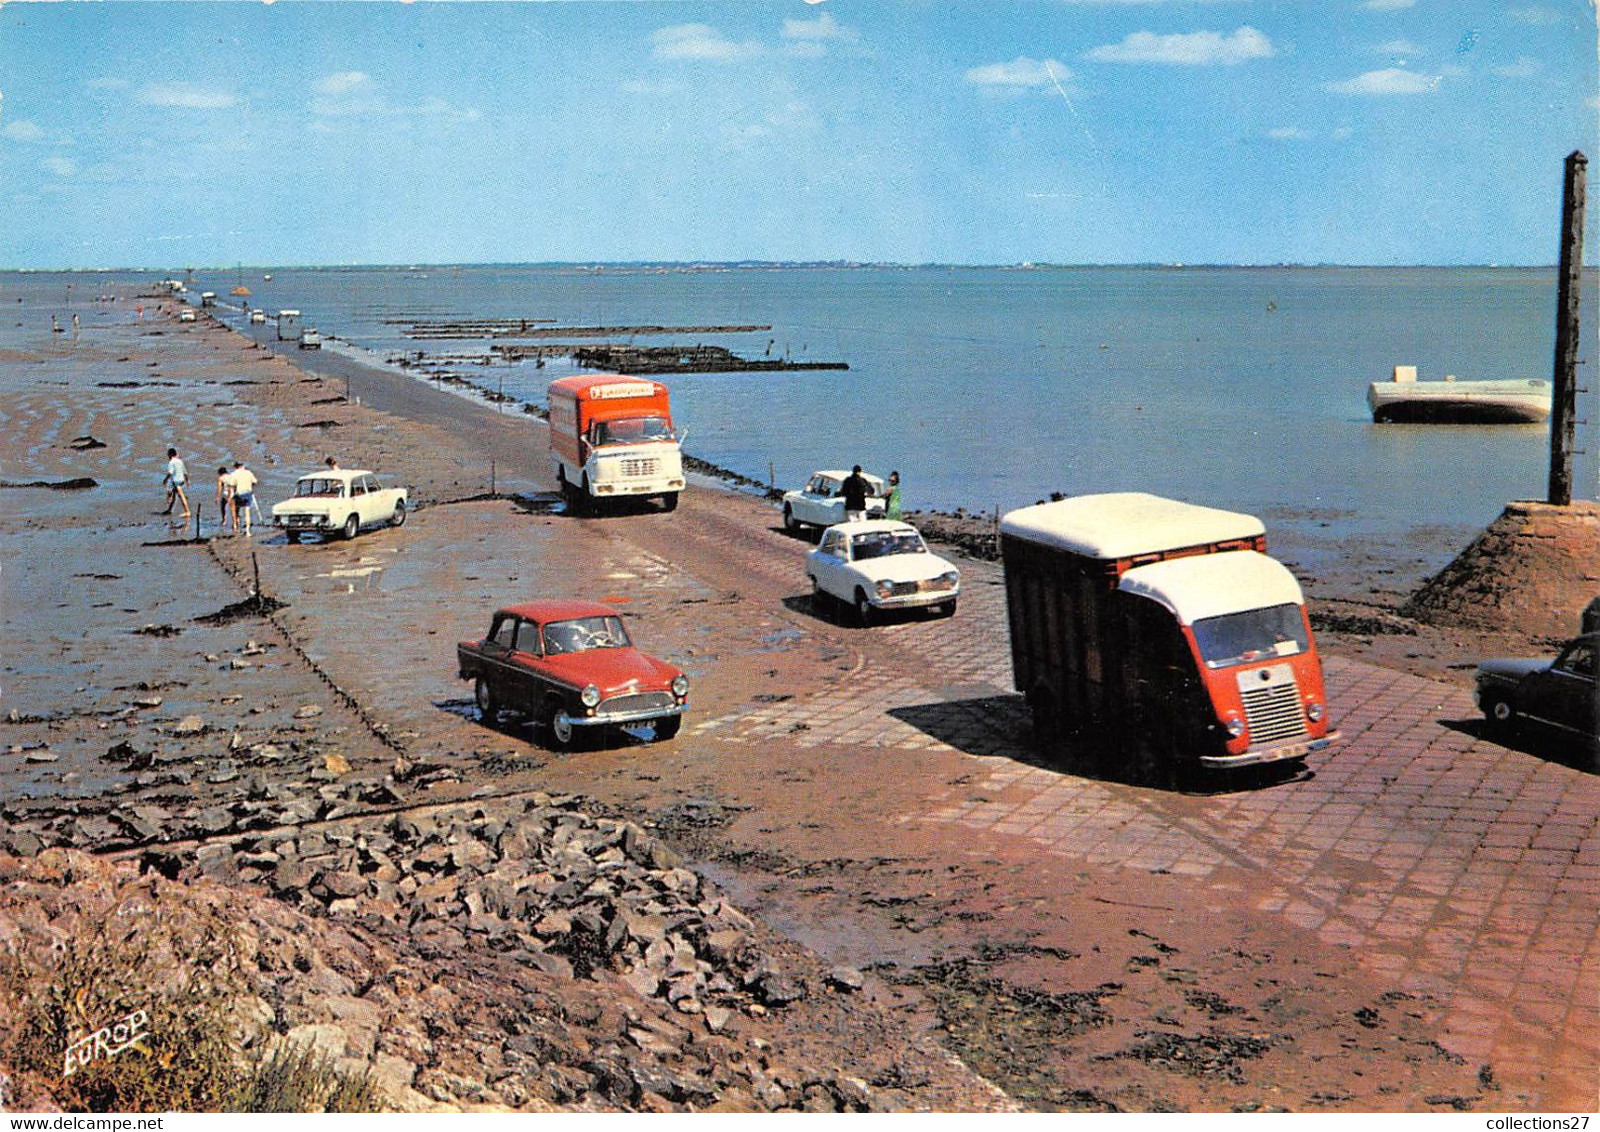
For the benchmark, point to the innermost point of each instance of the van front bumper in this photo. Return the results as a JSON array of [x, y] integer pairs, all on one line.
[[1270, 753]]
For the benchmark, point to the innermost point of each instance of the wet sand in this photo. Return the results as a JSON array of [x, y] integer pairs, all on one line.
[[1073, 983]]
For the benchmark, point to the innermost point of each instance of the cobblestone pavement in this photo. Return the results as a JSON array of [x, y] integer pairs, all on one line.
[[1454, 869]]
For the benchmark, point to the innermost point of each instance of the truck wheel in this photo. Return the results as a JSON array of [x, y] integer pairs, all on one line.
[[352, 525], [488, 704], [863, 609], [667, 726], [789, 522], [669, 501], [399, 519]]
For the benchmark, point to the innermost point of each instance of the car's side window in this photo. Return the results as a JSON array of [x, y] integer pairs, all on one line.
[[528, 638], [831, 543], [1579, 660], [504, 632], [358, 487]]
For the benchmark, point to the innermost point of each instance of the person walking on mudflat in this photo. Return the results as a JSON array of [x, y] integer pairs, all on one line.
[[244, 495], [175, 479], [224, 498], [855, 490]]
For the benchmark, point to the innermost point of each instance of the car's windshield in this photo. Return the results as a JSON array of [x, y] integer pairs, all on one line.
[[319, 487], [1238, 638], [584, 633], [632, 430], [878, 544]]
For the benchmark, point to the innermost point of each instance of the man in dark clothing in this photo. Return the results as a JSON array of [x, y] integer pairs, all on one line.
[[855, 491]]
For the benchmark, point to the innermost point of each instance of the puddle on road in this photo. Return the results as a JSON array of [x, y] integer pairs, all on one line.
[[781, 640]]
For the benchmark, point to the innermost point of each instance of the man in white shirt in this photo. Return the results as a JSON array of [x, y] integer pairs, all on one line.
[[244, 494], [175, 479]]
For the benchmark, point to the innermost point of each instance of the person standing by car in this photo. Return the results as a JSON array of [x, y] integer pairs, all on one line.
[[175, 479], [244, 494], [855, 490], [894, 509]]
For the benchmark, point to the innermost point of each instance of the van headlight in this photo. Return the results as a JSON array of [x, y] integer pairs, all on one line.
[[680, 686], [1315, 710], [1235, 725], [590, 696]]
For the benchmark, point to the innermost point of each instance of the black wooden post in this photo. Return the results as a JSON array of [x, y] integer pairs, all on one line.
[[1569, 284]]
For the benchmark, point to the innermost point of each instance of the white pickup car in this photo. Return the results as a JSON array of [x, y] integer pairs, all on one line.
[[821, 504], [338, 501]]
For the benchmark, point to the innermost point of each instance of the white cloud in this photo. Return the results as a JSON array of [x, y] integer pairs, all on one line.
[[1534, 15], [1389, 5], [1342, 132], [1524, 68], [1196, 49], [701, 43], [23, 130], [1401, 47], [61, 166], [1287, 133], [185, 96], [341, 82], [1020, 72], [1390, 80], [108, 84], [824, 27]]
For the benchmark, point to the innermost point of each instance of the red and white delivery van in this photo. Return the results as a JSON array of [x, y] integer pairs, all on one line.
[[612, 437], [1158, 635]]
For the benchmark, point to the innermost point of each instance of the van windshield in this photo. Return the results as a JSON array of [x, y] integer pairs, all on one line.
[[632, 430], [1238, 638]]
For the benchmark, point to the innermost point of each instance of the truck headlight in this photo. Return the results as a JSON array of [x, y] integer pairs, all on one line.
[[1235, 725], [590, 696], [680, 686], [1314, 710]]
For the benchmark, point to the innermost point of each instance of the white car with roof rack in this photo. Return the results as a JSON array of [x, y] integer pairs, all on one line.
[[878, 565], [339, 501]]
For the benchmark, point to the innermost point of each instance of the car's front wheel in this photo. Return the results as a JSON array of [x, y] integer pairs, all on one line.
[[864, 610], [947, 609], [291, 537], [667, 726], [1499, 714], [563, 734], [352, 525], [488, 703], [399, 517], [790, 524]]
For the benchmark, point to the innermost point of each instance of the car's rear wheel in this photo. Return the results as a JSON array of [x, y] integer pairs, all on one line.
[[399, 518], [864, 609], [352, 525], [667, 726], [488, 703], [291, 537]]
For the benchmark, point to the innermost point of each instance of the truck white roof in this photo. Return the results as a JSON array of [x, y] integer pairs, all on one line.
[[1126, 523], [1212, 585]]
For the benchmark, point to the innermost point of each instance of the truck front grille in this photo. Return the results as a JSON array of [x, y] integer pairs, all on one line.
[[637, 466], [638, 701], [1272, 710]]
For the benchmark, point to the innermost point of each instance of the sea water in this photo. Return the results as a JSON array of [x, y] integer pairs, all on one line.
[[993, 387]]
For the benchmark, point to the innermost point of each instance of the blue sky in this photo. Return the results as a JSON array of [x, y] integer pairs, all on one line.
[[1064, 131]]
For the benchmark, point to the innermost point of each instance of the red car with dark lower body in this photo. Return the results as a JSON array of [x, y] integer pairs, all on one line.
[[571, 666]]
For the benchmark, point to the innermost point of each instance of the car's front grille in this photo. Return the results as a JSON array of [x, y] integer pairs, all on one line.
[[638, 701], [641, 466], [905, 589], [1273, 709]]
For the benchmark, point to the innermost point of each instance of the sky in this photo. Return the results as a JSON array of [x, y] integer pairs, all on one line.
[[138, 134]]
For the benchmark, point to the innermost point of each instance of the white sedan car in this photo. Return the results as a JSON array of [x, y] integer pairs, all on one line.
[[875, 565], [821, 504], [339, 501]]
